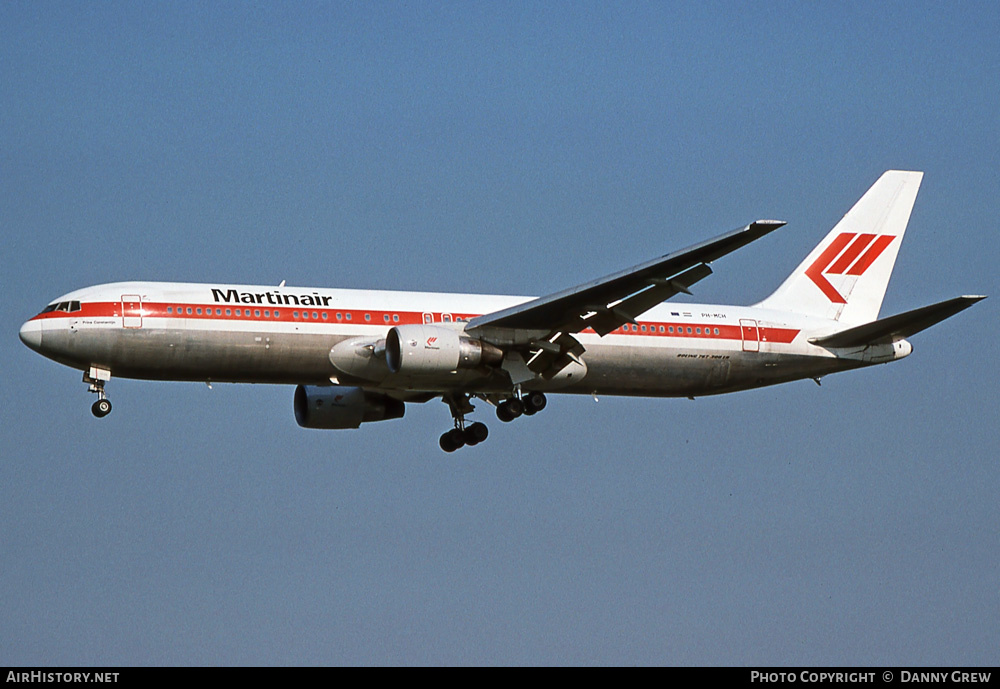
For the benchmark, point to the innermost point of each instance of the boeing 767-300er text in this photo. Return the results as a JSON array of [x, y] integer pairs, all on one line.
[[358, 355]]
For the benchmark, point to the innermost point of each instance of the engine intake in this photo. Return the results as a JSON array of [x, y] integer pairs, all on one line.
[[429, 349], [340, 406]]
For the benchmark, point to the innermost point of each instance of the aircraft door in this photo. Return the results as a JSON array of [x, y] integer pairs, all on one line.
[[131, 311], [750, 334]]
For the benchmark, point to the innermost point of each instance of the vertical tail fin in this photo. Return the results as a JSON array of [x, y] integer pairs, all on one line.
[[846, 275]]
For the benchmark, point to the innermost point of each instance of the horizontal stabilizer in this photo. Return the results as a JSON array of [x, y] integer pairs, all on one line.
[[896, 327]]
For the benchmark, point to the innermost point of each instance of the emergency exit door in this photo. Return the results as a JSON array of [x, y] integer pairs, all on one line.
[[131, 311]]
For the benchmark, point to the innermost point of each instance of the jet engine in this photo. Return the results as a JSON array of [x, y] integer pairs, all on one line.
[[340, 406], [428, 349]]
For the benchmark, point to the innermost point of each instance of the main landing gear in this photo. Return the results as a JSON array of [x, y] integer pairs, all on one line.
[[529, 404], [462, 435], [95, 379], [475, 433]]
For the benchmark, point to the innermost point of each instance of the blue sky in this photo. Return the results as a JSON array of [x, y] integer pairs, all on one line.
[[513, 148]]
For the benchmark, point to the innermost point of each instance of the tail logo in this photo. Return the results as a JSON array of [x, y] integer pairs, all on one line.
[[842, 258]]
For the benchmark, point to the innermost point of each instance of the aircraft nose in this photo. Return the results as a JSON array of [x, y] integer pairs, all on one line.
[[31, 334]]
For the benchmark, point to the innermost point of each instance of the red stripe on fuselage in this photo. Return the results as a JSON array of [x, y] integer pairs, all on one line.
[[326, 316]]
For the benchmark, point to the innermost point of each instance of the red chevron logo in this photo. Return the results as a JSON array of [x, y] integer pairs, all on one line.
[[842, 258]]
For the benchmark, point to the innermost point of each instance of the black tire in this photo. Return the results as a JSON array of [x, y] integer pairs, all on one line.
[[476, 433], [446, 442], [456, 438], [534, 402], [101, 408], [516, 407], [504, 413]]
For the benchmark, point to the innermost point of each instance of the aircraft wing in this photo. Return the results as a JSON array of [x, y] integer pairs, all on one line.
[[619, 298], [905, 324]]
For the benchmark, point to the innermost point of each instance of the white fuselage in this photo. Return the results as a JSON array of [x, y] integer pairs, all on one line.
[[239, 333]]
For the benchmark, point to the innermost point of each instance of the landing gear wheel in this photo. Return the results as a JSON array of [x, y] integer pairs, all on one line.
[[101, 408], [475, 434], [463, 433], [452, 440], [510, 409], [534, 402]]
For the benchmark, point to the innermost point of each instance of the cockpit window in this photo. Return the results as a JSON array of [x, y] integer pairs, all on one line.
[[67, 306]]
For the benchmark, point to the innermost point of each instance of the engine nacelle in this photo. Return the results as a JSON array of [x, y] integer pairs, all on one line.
[[356, 357], [428, 349], [340, 406]]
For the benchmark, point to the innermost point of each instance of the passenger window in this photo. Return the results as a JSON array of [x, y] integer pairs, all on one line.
[[368, 316], [170, 309], [395, 318], [326, 316], [229, 312]]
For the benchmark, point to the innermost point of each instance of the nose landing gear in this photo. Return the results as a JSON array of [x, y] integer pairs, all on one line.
[[101, 408], [95, 378]]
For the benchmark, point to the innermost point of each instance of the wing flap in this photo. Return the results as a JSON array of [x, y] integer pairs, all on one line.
[[607, 319]]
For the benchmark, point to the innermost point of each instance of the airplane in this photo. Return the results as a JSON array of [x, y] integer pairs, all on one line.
[[359, 356]]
